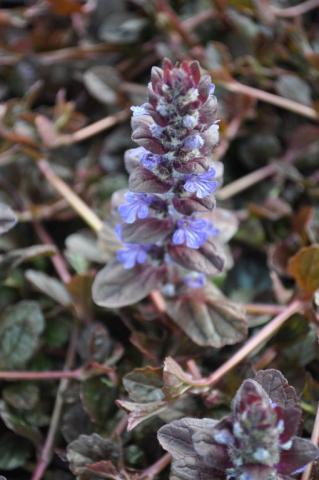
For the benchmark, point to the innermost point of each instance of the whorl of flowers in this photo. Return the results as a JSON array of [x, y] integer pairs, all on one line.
[[173, 178], [256, 441]]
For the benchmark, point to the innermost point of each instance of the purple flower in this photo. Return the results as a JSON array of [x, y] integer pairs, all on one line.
[[247, 444], [193, 142], [190, 121], [202, 184], [150, 160], [137, 206], [132, 255], [193, 232], [194, 280], [139, 110], [156, 130]]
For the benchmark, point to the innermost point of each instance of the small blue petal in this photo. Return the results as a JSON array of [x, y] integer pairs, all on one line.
[[189, 121], [132, 255], [150, 160], [211, 89], [156, 130], [193, 142], [179, 237], [201, 184], [193, 232], [137, 206], [139, 110], [195, 280]]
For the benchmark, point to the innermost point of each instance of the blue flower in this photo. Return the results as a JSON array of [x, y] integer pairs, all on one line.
[[137, 206], [156, 130], [211, 89], [193, 232], [193, 142], [202, 184], [139, 110], [150, 160], [132, 255], [195, 280], [190, 121]]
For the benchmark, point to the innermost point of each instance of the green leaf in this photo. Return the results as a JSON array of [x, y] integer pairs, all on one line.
[[12, 259], [89, 449], [19, 425], [14, 451], [22, 396], [20, 329], [97, 399], [144, 384]]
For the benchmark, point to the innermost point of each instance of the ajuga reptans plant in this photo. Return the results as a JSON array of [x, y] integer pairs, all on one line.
[[257, 441], [168, 228]]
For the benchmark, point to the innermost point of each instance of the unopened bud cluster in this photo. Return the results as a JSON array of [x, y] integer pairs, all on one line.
[[256, 441]]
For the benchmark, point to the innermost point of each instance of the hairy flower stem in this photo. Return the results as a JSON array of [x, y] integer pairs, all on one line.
[[315, 439], [262, 336]]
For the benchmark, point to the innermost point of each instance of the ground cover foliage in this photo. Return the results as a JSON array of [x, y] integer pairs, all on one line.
[[89, 376]]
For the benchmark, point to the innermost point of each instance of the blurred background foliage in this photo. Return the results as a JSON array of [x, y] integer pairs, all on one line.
[[69, 71]]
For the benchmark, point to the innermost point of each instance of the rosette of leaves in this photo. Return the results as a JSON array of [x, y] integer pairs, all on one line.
[[257, 440], [168, 236]]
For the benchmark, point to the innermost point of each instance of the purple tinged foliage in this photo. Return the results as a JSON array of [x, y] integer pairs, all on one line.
[[256, 441]]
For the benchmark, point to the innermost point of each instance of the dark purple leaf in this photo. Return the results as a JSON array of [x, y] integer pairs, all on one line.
[[277, 387], [138, 412], [206, 259], [116, 287], [149, 230], [177, 439], [143, 136], [145, 181], [189, 205], [208, 318], [298, 456]]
